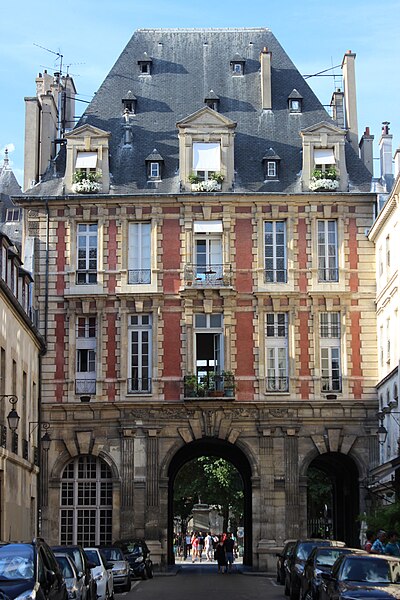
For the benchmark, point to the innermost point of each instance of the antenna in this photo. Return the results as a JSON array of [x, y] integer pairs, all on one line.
[[58, 54]]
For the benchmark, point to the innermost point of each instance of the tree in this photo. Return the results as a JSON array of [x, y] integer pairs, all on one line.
[[209, 480]]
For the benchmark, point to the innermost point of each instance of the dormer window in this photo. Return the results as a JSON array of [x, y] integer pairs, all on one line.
[[237, 65], [295, 102], [12, 214], [86, 161], [154, 163], [212, 100], [129, 103], [145, 63], [271, 164], [324, 158], [206, 160]]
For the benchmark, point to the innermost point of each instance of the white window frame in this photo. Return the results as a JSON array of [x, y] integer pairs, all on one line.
[[86, 346], [237, 68], [206, 159], [324, 158], [87, 241], [277, 352], [209, 324], [327, 250], [212, 271], [155, 170], [139, 252], [330, 351], [13, 215], [271, 168], [276, 252], [140, 330]]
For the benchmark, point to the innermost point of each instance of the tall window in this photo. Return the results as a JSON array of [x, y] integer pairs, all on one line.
[[387, 245], [327, 251], [85, 382], [275, 251], [87, 253], [277, 352], [86, 503], [388, 336], [139, 253], [330, 352], [206, 159], [208, 252], [140, 363]]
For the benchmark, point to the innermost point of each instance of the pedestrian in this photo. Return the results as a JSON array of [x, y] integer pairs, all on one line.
[[220, 557], [229, 545], [208, 546], [200, 545], [371, 537], [378, 547], [195, 543], [188, 544], [393, 547]]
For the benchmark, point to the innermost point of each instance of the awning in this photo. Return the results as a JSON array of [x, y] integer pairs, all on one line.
[[208, 227], [206, 157], [86, 160], [324, 156]]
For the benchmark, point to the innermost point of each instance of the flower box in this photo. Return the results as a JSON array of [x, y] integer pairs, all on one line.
[[322, 185], [210, 185]]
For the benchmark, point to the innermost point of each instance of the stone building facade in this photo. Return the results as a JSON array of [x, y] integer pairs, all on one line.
[[208, 295]]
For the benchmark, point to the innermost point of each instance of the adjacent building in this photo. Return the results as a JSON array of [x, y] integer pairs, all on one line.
[[205, 285]]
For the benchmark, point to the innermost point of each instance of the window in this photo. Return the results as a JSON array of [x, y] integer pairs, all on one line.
[[155, 170], [381, 346], [277, 352], [86, 503], [275, 251], [388, 341], [140, 354], [86, 161], [327, 251], [324, 158], [271, 168], [380, 261], [144, 68], [237, 68], [87, 253], [139, 253], [294, 105], [209, 358], [330, 351], [388, 256], [85, 381], [208, 269], [13, 214], [206, 159]]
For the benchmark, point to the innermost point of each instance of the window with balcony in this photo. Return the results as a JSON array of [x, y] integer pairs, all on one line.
[[86, 254], [327, 251], [208, 268], [209, 358], [275, 252], [331, 380], [85, 380], [140, 354], [139, 253], [276, 332]]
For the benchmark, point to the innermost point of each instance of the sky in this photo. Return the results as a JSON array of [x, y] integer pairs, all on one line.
[[91, 34]]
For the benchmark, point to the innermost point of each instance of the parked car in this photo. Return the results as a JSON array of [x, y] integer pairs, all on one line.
[[29, 570], [121, 569], [74, 579], [321, 560], [367, 576], [280, 562], [137, 554], [297, 560], [83, 564], [102, 573]]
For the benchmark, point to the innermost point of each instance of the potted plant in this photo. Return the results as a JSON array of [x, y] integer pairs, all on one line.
[[217, 176], [190, 383], [86, 182], [229, 383], [324, 180], [194, 178]]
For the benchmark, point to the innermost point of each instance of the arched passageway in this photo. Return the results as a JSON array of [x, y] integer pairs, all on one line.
[[229, 452], [337, 505]]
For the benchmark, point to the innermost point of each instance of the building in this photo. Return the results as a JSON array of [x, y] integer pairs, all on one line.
[[21, 347], [10, 213], [205, 285]]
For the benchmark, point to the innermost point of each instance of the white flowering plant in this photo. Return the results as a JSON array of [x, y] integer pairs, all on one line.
[[209, 185], [86, 182], [324, 180]]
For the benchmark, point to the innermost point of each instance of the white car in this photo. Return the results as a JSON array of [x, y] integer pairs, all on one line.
[[102, 574]]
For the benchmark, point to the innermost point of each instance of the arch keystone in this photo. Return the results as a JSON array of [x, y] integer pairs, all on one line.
[[186, 435]]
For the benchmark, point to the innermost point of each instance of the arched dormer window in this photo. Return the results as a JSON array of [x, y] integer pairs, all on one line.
[[129, 103], [237, 65], [145, 64], [212, 100]]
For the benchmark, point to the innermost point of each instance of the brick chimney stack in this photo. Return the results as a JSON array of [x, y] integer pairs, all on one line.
[[350, 98], [266, 90], [367, 150]]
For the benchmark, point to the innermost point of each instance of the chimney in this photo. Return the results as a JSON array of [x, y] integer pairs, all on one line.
[[397, 163], [367, 150], [349, 83], [266, 93], [385, 153], [337, 105]]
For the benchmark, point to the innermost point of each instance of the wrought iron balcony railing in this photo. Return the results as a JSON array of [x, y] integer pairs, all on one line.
[[85, 386], [327, 275], [139, 276], [139, 385], [277, 384], [275, 276], [208, 276], [211, 386], [331, 384], [3, 436]]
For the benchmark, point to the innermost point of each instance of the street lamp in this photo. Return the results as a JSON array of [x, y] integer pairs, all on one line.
[[45, 441], [381, 431], [13, 417]]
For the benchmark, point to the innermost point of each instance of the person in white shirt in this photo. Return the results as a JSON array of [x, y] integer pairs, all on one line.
[[209, 546]]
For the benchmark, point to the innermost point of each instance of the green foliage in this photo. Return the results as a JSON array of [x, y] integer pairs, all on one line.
[[329, 173], [82, 175], [319, 491], [209, 480], [194, 178], [217, 177], [384, 517]]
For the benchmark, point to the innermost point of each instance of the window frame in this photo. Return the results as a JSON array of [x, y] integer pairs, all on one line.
[[276, 351], [274, 251], [327, 273], [143, 330], [87, 275], [330, 336], [140, 264]]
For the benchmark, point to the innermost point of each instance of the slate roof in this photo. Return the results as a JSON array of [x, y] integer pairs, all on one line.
[[9, 186], [186, 65]]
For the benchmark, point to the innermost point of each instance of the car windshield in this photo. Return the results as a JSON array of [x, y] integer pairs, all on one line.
[[113, 553], [94, 557], [366, 570], [16, 562], [73, 553], [304, 549], [65, 567], [327, 557]]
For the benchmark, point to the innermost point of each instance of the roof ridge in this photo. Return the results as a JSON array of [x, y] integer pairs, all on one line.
[[209, 29]]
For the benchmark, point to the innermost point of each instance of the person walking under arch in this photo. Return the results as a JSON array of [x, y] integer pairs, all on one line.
[[220, 557], [229, 545]]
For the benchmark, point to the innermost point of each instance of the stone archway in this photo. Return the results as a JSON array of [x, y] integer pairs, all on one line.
[[222, 449], [343, 473]]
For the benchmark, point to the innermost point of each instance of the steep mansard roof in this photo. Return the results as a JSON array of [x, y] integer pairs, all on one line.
[[185, 66]]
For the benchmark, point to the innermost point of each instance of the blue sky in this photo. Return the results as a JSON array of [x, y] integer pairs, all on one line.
[[92, 33]]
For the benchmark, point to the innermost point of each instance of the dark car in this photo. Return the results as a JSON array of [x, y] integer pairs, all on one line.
[[367, 576], [120, 567], [321, 560], [80, 559], [137, 554], [29, 570], [280, 561], [297, 560]]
